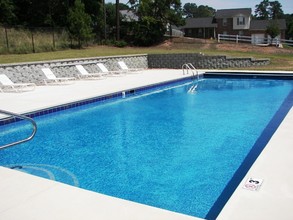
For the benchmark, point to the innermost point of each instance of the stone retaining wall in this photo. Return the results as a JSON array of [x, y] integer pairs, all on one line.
[[200, 61], [31, 72]]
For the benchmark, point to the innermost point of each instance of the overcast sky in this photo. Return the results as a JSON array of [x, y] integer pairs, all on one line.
[[287, 5]]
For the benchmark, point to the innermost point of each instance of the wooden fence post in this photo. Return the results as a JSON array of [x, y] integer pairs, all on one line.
[[6, 38], [33, 43], [53, 33]]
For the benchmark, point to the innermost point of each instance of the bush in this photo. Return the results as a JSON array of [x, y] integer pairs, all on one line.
[[120, 43], [148, 32]]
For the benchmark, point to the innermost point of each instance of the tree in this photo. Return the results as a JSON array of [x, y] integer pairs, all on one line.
[[104, 20], [109, 11], [57, 13], [154, 16], [148, 31], [275, 10], [268, 10], [190, 10], [36, 13], [111, 14], [7, 15], [205, 11], [261, 10], [273, 30], [117, 21], [95, 10], [289, 24], [79, 23], [289, 32], [174, 14]]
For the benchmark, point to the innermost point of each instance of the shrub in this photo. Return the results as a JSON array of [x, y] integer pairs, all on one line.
[[148, 32], [120, 43]]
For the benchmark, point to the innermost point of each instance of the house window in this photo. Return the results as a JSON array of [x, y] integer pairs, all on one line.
[[241, 21], [241, 33], [224, 21]]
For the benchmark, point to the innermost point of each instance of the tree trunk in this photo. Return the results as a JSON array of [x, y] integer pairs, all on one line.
[[117, 21], [105, 20]]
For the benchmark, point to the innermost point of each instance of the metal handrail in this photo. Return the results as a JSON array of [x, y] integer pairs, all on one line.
[[24, 118], [189, 66]]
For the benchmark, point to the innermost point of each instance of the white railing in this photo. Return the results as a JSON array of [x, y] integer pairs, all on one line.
[[189, 66], [22, 117], [196, 76], [253, 40]]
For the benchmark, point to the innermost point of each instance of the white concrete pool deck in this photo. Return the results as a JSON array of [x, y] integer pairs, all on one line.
[[27, 197]]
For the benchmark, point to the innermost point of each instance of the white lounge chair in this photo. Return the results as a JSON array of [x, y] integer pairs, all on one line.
[[9, 86], [85, 75], [125, 68], [53, 80], [104, 69]]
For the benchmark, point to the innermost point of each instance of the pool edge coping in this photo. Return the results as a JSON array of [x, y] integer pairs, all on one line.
[[177, 80]]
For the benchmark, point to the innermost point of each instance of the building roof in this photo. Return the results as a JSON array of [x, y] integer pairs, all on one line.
[[263, 24], [230, 13], [128, 15], [199, 23]]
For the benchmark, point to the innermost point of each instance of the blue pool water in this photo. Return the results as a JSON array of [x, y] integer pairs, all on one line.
[[169, 148]]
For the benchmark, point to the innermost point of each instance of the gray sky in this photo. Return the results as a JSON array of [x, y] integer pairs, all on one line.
[[287, 5]]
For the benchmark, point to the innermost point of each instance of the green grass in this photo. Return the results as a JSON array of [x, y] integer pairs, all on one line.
[[279, 61]]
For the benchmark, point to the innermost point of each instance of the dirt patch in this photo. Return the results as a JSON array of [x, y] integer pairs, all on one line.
[[188, 43], [252, 48]]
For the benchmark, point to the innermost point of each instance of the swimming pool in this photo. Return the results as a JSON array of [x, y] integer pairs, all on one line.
[[170, 149]]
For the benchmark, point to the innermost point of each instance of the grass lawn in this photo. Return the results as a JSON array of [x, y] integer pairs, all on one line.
[[281, 59]]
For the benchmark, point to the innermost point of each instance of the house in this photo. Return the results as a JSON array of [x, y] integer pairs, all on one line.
[[128, 16], [231, 22], [239, 22], [258, 30], [176, 32], [200, 28]]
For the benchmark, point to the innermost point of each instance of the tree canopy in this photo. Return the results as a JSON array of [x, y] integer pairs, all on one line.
[[7, 15], [191, 10], [268, 10], [153, 17], [79, 22], [273, 30]]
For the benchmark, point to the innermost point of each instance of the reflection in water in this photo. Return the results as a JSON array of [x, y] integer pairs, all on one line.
[[237, 84]]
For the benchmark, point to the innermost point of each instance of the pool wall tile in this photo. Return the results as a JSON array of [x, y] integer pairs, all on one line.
[[113, 96]]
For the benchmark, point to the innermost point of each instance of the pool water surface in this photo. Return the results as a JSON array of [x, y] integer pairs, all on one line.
[[167, 148]]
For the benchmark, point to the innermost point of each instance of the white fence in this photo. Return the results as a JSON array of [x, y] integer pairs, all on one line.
[[253, 40]]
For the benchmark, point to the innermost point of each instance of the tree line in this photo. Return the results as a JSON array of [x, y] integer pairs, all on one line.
[[93, 19]]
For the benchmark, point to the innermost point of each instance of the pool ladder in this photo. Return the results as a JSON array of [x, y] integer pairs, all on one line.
[[186, 67], [21, 117], [195, 76]]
